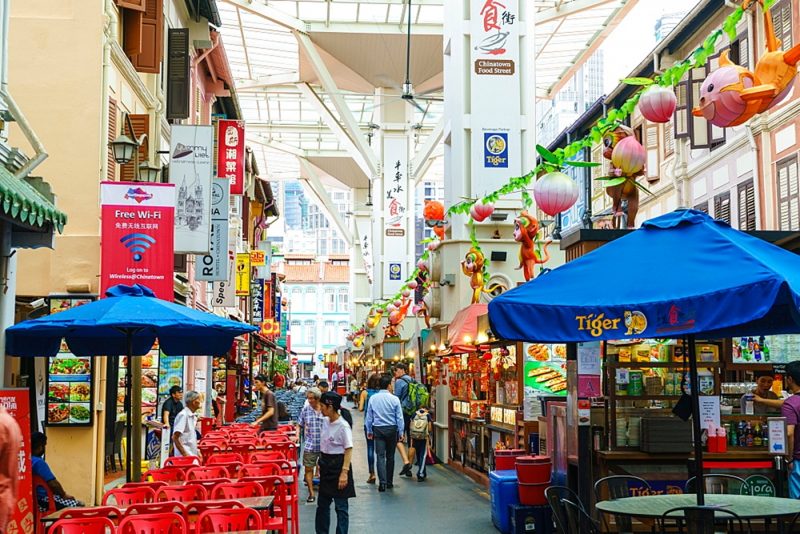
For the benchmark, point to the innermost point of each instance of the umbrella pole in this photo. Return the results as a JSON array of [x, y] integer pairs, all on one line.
[[135, 447], [128, 437], [697, 431]]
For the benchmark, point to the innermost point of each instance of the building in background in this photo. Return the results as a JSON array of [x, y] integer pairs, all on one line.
[[428, 190], [295, 205], [577, 95], [318, 293], [666, 23]]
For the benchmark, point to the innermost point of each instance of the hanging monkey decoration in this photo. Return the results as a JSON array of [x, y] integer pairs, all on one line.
[[526, 228], [627, 157]]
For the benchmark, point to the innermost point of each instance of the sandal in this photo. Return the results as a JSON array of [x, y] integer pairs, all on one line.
[[371, 479], [311, 499]]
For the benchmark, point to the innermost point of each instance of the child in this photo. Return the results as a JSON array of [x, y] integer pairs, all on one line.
[[421, 428]]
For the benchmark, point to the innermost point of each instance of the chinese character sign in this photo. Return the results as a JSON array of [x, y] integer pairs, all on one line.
[[396, 243], [495, 152], [230, 154], [21, 519], [364, 229], [190, 169], [137, 236], [257, 300]]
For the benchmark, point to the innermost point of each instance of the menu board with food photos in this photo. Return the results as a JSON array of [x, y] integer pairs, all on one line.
[[149, 384], [69, 390], [170, 373]]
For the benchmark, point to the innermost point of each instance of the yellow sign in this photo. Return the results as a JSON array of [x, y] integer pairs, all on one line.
[[242, 274], [270, 328], [258, 258]]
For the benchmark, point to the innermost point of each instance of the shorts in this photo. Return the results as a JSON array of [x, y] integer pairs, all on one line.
[[310, 459]]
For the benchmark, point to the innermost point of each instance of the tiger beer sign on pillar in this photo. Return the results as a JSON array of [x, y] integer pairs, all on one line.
[[137, 236]]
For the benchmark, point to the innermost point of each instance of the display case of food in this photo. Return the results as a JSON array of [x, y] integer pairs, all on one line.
[[69, 390], [149, 384]]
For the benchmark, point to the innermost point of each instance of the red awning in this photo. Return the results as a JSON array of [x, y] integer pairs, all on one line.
[[465, 323]]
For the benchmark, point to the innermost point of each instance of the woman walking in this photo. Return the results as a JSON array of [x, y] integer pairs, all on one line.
[[363, 401], [335, 477], [310, 422]]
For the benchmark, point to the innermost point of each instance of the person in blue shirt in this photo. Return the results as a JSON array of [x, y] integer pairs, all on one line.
[[384, 422], [42, 470]]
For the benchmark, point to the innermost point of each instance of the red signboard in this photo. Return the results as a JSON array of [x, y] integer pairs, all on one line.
[[230, 153], [138, 236], [21, 519]]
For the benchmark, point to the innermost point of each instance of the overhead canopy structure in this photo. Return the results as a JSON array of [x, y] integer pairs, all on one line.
[[310, 73]]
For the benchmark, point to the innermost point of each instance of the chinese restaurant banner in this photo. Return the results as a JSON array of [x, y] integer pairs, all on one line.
[[395, 214], [364, 229], [190, 170], [257, 301], [137, 236], [214, 265], [22, 520], [230, 154], [242, 274], [495, 102]]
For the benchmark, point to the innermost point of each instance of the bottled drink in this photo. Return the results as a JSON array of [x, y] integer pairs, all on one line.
[[742, 434], [765, 436], [757, 435], [733, 436], [749, 436]]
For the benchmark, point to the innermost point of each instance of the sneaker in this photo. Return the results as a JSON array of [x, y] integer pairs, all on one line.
[[381, 487], [406, 471], [421, 478]]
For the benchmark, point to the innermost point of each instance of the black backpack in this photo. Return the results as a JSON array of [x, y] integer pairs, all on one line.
[[347, 416]]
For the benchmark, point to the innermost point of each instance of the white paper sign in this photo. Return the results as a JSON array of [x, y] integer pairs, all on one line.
[[224, 291], [589, 358], [709, 411], [777, 435], [214, 266], [190, 168]]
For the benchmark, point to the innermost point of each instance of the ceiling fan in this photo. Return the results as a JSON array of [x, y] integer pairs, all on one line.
[[408, 89]]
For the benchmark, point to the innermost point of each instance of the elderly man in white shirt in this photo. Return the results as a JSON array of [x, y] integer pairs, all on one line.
[[184, 434]]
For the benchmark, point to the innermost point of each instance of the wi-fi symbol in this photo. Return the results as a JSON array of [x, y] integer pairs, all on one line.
[[138, 244]]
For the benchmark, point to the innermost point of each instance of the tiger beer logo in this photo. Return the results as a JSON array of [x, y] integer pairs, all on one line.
[[634, 322]]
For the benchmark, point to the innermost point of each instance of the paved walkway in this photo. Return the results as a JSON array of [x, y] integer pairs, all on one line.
[[446, 502]]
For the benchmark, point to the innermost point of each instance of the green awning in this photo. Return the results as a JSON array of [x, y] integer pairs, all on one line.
[[21, 201]]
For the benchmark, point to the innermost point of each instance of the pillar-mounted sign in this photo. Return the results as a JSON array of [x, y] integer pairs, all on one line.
[[395, 213]]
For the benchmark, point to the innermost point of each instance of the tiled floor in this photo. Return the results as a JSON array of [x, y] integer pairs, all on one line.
[[447, 502]]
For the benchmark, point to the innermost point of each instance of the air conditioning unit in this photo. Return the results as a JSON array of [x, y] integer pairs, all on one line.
[[497, 285]]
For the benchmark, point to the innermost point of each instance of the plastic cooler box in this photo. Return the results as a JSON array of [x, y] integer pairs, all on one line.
[[503, 492], [530, 519]]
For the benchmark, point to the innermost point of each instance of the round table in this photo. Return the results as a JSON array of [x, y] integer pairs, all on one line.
[[745, 506]]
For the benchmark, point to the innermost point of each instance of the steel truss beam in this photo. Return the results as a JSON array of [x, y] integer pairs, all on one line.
[[422, 159], [315, 185]]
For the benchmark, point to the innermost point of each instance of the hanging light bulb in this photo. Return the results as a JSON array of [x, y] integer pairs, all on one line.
[[467, 339]]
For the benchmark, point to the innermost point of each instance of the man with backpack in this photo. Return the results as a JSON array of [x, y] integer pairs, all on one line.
[[413, 396]]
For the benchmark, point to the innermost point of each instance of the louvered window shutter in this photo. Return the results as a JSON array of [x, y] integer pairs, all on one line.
[[669, 139], [698, 126], [702, 207], [111, 172], [682, 111], [788, 198], [141, 125], [651, 145], [178, 82], [152, 26], [782, 21], [747, 206], [135, 5], [722, 207]]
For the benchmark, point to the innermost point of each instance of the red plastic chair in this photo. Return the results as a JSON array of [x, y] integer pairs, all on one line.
[[210, 483], [237, 490], [278, 517], [163, 523], [197, 508], [152, 485], [207, 472], [224, 458], [181, 461], [127, 496], [84, 525], [231, 467], [260, 470], [157, 508], [244, 450], [222, 520], [259, 457], [286, 428], [185, 493], [208, 449], [88, 513], [285, 466], [166, 474]]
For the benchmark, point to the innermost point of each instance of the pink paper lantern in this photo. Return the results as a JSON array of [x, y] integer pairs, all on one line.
[[629, 156], [657, 104], [480, 211], [555, 192], [412, 285], [422, 266], [406, 293]]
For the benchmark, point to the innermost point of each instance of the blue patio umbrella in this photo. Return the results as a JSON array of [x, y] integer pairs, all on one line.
[[681, 274], [127, 322]]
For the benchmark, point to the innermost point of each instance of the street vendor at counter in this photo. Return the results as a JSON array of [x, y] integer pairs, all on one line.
[[764, 400]]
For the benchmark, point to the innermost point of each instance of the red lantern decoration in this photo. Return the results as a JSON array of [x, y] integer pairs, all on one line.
[[555, 192], [657, 104]]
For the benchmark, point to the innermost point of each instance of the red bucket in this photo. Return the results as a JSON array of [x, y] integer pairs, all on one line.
[[534, 469], [533, 494], [505, 459]]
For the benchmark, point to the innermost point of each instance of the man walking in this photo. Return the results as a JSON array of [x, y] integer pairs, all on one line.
[[384, 422], [401, 382], [269, 408], [184, 433]]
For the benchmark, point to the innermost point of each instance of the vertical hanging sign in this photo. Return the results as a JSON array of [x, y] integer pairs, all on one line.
[[190, 169], [137, 236], [230, 154], [257, 301], [364, 230], [223, 290], [242, 274], [21, 520], [214, 265], [495, 81], [395, 216]]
